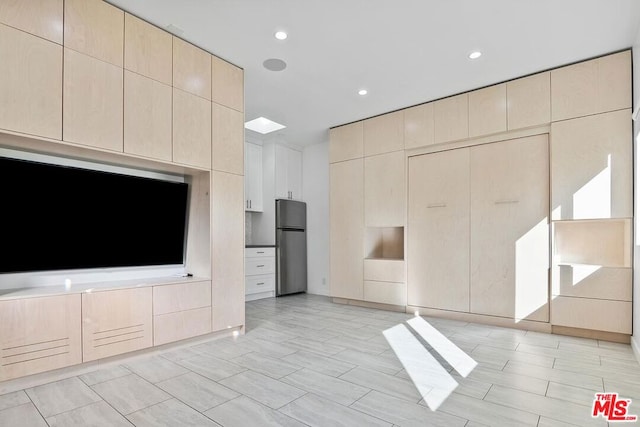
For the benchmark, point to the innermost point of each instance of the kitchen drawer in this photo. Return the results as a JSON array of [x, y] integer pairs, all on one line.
[[262, 265], [259, 252], [182, 296], [262, 283], [384, 270], [183, 324], [385, 292]]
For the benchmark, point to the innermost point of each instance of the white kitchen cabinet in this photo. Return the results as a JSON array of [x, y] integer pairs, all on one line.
[[253, 177], [288, 171], [260, 273]]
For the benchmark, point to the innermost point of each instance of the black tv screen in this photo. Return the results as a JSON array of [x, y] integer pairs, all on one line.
[[60, 217]]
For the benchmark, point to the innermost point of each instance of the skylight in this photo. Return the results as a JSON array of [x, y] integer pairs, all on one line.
[[263, 125]]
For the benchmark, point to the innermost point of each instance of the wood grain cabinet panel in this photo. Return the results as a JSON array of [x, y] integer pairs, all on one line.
[[228, 139], [383, 134], [148, 50], [93, 102], [509, 264], [385, 292], [227, 84], [181, 297], [419, 126], [31, 84], [95, 28], [181, 325], [592, 281], [488, 110], [384, 190], [591, 87], [451, 118], [116, 322], [39, 334], [529, 101], [191, 129], [384, 270], [591, 167], [228, 250], [346, 142], [347, 228], [612, 316], [147, 117], [191, 68], [42, 18], [438, 230]]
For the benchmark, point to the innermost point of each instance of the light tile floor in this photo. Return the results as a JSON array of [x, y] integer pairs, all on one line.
[[307, 361]]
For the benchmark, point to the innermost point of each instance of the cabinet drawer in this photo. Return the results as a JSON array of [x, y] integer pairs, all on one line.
[[179, 297], [259, 252], [612, 316], [384, 270], [262, 283], [183, 324], [385, 292], [253, 266]]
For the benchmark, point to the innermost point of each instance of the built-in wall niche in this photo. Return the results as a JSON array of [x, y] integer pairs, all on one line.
[[384, 243], [602, 242]]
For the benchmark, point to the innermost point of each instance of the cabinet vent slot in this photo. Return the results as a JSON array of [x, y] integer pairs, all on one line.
[[39, 350]]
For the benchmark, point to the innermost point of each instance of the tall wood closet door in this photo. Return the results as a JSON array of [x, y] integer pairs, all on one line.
[[438, 230], [347, 229], [509, 228]]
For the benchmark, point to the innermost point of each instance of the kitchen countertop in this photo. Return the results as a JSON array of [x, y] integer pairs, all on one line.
[[259, 246]]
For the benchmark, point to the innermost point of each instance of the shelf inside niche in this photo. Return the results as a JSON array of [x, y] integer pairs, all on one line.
[[601, 242], [384, 243]]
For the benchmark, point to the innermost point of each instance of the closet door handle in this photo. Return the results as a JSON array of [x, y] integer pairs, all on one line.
[[505, 202], [439, 205]]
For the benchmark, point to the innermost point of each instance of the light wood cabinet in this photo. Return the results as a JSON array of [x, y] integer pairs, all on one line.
[[592, 281], [227, 84], [385, 292], [191, 69], [181, 297], [384, 190], [93, 102], [383, 134], [31, 70], [438, 230], [95, 28], [347, 228], [612, 316], [228, 251], [509, 253], [191, 129], [253, 193], [384, 270], [451, 118], [228, 139], [419, 126], [148, 50], [488, 110], [147, 117], [346, 142], [591, 167], [42, 18], [39, 334], [529, 101], [591, 87], [116, 322]]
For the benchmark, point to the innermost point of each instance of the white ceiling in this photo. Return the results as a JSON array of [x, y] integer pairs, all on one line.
[[405, 52]]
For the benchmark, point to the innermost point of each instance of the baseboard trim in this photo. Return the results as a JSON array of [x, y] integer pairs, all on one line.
[[593, 334], [367, 304]]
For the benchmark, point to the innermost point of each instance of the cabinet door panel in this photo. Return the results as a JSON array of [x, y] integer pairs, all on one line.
[[438, 230], [227, 85], [418, 126], [191, 68], [42, 18], [177, 326], [384, 133], [384, 190], [451, 118], [253, 178], [346, 142], [347, 229], [294, 173], [509, 228], [228, 144], [488, 110], [148, 50], [180, 297], [191, 129], [529, 101]]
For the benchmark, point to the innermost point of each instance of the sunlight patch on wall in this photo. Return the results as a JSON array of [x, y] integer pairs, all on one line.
[[532, 263], [593, 200]]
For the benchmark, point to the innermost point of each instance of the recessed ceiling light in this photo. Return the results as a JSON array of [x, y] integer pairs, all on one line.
[[263, 125], [280, 35], [363, 92], [475, 55]]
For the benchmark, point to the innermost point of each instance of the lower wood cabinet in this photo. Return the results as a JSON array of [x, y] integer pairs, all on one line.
[[116, 322], [39, 334]]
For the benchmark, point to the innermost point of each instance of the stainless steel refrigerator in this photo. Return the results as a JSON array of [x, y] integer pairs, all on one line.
[[291, 247]]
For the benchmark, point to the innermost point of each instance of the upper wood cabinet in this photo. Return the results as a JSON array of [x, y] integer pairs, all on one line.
[[191, 68], [147, 117], [93, 102], [42, 18], [383, 134], [529, 101], [591, 87], [488, 110], [346, 142], [418, 126], [451, 118], [148, 50], [191, 129], [31, 84], [228, 139], [384, 190], [95, 28], [227, 84]]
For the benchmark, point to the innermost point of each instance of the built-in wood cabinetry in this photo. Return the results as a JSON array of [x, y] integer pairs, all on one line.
[[488, 110], [383, 134], [148, 50], [191, 69], [346, 142], [42, 18], [529, 101], [419, 126], [384, 190], [451, 118], [227, 139], [227, 84], [191, 129]]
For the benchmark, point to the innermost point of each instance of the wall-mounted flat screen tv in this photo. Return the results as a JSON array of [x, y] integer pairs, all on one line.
[[57, 217]]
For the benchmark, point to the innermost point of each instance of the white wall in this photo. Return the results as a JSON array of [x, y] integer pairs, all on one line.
[[635, 339], [315, 188]]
